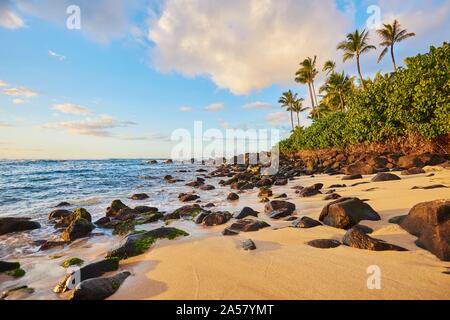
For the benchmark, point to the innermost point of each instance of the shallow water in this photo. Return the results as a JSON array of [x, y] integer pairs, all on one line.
[[33, 188]]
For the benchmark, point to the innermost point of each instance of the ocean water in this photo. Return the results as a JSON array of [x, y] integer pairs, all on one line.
[[33, 189]]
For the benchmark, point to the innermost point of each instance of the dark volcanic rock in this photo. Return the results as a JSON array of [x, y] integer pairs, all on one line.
[[279, 209], [306, 223], [265, 193], [207, 187], [233, 196], [385, 176], [90, 271], [102, 221], [345, 213], [189, 211], [99, 288], [430, 222], [246, 212], [335, 186], [248, 245], [59, 214], [62, 204], [216, 218], [188, 197], [136, 244], [229, 232], [363, 228], [48, 245], [281, 182], [308, 192], [145, 209], [8, 266], [80, 228], [357, 239], [248, 225], [140, 196], [10, 225], [114, 208], [324, 243], [353, 177]]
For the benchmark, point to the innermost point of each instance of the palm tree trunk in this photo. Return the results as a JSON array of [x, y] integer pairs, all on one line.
[[292, 120], [393, 58], [311, 96], [298, 119], [314, 93], [359, 72], [342, 102]]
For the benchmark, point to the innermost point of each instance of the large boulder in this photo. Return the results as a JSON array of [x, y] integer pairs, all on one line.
[[90, 271], [385, 176], [10, 225], [137, 244], [356, 238], [99, 288], [306, 223], [59, 214], [430, 222], [345, 213], [189, 212], [279, 209], [80, 228]]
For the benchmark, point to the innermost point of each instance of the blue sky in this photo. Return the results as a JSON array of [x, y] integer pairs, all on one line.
[[137, 70]]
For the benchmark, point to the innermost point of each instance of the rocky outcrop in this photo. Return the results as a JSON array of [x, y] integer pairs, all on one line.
[[359, 168], [59, 214], [99, 288], [358, 239], [279, 209], [214, 218], [430, 222], [140, 196], [345, 213], [114, 208], [186, 212], [11, 225]]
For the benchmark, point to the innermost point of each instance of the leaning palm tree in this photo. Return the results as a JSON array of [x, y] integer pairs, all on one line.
[[298, 108], [329, 67], [306, 75], [356, 45], [336, 88], [391, 34], [287, 100]]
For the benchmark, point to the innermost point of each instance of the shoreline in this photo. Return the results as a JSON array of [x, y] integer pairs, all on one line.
[[208, 265]]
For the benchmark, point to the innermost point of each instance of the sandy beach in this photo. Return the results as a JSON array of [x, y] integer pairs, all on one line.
[[284, 267]]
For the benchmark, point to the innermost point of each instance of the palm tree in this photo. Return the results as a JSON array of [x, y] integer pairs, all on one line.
[[355, 45], [287, 100], [391, 34], [329, 67], [319, 112], [306, 75], [298, 108], [336, 87]]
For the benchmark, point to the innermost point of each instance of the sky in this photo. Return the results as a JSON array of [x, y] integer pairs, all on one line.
[[137, 70]]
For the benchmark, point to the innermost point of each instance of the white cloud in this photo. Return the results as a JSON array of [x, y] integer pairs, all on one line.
[[56, 55], [101, 20], [21, 92], [244, 45], [277, 118], [215, 107], [3, 83], [97, 127], [185, 109], [8, 18], [18, 101], [5, 124], [71, 108], [257, 106], [154, 136]]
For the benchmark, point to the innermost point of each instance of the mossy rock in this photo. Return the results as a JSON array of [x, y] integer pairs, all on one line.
[[72, 262], [81, 213], [16, 273], [24, 289], [124, 227], [139, 242]]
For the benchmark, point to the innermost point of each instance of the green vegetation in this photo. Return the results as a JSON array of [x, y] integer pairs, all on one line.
[[72, 262], [412, 100]]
